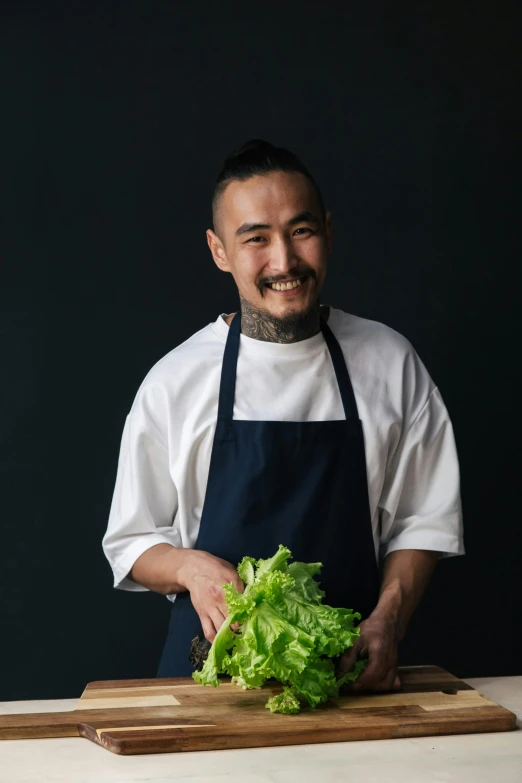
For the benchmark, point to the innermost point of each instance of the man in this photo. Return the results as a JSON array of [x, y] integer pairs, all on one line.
[[285, 423]]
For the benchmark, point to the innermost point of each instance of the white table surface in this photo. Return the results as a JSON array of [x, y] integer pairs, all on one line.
[[477, 758]]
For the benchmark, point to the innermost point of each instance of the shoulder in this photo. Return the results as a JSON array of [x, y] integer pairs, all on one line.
[[175, 378], [366, 335], [383, 364], [201, 346]]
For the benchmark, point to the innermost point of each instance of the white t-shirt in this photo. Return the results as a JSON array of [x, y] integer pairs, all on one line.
[[411, 459]]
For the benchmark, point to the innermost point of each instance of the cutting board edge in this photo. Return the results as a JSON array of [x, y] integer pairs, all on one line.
[[180, 744]]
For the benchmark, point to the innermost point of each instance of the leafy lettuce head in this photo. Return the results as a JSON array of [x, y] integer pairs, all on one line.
[[286, 633]]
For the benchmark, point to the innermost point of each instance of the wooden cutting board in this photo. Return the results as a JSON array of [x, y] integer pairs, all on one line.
[[166, 715]]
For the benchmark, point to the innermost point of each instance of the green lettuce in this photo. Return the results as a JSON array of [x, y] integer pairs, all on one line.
[[285, 633]]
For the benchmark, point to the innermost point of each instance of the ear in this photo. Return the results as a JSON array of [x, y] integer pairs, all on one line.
[[328, 228], [217, 250]]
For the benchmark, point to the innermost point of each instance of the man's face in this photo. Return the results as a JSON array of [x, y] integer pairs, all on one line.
[[271, 233]]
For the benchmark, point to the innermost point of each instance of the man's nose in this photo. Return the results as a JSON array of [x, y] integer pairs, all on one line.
[[282, 257]]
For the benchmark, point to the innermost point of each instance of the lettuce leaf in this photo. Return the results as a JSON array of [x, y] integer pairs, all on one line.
[[285, 702], [285, 633]]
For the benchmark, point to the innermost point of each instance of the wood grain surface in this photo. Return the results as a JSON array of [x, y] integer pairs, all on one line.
[[167, 715]]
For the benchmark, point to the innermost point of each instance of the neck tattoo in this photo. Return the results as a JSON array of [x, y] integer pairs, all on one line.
[[262, 326]]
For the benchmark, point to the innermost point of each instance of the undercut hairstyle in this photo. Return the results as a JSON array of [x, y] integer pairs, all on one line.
[[256, 158]]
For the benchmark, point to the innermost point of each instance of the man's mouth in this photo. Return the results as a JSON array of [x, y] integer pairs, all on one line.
[[287, 285]]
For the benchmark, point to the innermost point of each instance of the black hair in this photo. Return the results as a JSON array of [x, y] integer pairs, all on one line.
[[258, 157]]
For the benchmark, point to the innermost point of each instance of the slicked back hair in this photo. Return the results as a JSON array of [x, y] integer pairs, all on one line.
[[254, 158]]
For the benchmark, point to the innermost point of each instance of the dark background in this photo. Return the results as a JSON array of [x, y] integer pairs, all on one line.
[[115, 118]]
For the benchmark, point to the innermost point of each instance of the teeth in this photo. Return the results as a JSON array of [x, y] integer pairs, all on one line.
[[286, 286]]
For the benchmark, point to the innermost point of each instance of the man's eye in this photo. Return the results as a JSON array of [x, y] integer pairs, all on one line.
[[253, 239], [305, 229]]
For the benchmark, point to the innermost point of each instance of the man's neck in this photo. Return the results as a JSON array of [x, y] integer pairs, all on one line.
[[261, 326]]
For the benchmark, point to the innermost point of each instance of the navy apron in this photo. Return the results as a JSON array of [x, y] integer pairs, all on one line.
[[300, 484]]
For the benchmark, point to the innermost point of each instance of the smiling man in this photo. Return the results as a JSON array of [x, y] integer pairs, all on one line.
[[279, 266], [287, 423]]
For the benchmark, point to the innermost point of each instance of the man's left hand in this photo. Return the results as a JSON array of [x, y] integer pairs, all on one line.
[[379, 642]]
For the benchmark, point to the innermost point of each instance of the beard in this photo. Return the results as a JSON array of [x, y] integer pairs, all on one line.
[[297, 322], [293, 327]]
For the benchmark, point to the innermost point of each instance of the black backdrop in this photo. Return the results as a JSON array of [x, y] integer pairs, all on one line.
[[115, 119]]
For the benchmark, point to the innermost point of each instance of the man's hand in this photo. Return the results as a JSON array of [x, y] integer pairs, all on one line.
[[378, 641], [406, 575], [168, 569], [204, 575]]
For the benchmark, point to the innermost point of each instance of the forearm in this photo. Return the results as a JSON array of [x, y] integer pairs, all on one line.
[[162, 569], [406, 575]]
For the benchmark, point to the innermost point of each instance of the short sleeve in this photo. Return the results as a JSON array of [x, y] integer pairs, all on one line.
[[145, 499], [420, 504]]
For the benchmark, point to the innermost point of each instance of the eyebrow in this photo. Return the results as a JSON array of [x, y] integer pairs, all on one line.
[[302, 217]]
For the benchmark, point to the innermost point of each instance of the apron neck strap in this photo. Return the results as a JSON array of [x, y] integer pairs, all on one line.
[[227, 389], [341, 372]]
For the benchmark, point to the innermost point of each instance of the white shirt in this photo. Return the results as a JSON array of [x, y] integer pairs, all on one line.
[[411, 459]]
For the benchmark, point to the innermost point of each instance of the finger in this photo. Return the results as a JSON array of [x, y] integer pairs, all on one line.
[[208, 628], [389, 682], [373, 674], [382, 657], [346, 663], [348, 658], [218, 618], [222, 608], [386, 684]]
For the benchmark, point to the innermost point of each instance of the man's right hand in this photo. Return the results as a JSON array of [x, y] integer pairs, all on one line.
[[204, 575], [167, 569]]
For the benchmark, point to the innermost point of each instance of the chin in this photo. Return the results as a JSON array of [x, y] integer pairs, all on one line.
[[293, 314]]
